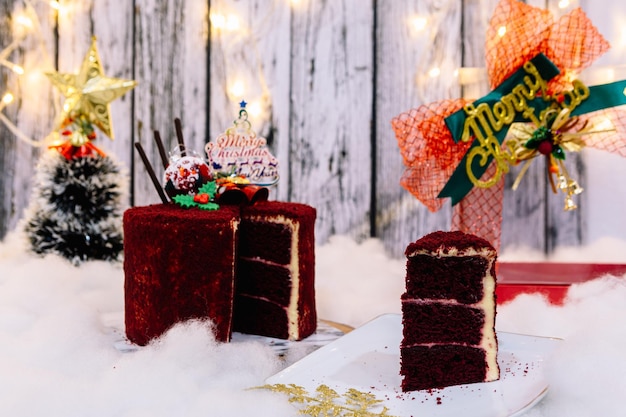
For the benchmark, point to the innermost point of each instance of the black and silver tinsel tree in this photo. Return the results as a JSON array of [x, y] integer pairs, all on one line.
[[76, 208]]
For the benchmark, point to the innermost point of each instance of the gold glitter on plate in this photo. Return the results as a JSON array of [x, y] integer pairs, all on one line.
[[328, 403]]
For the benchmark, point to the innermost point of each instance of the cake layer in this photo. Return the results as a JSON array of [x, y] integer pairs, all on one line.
[[277, 249], [268, 241], [259, 316], [440, 366], [436, 322], [446, 277], [258, 278], [449, 243], [178, 264]]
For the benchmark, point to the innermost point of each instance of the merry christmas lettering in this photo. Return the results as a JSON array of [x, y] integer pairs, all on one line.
[[484, 122], [243, 153]]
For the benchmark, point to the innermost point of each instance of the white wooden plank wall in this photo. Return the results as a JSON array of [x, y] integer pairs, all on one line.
[[327, 76]]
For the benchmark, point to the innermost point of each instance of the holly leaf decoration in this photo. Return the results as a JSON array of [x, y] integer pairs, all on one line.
[[184, 200], [202, 200], [209, 188]]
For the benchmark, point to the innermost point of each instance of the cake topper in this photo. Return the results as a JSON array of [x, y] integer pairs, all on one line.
[[239, 152], [190, 182], [187, 177]]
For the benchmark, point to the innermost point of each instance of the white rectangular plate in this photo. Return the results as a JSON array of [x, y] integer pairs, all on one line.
[[368, 360]]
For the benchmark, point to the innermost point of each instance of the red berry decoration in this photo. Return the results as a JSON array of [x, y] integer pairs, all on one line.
[[545, 147], [201, 198], [554, 169]]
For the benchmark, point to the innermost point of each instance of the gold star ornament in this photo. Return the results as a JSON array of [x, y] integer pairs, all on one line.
[[89, 93]]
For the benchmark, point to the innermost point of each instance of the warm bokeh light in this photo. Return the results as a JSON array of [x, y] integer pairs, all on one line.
[[237, 89], [419, 23], [254, 109], [434, 72], [23, 20], [7, 98], [228, 22]]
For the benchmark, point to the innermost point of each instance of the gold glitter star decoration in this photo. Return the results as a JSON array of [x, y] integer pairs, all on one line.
[[89, 93], [328, 403]]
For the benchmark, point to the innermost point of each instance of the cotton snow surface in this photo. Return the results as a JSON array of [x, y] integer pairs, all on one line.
[[59, 325]]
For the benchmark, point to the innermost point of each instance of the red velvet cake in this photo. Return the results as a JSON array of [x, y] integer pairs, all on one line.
[[184, 263], [448, 312], [178, 264], [275, 294]]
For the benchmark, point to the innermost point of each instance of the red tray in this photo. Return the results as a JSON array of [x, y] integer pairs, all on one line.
[[551, 279]]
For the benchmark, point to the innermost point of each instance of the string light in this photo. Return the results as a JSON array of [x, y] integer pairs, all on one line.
[[24, 21], [564, 4], [228, 22], [434, 72], [25, 25], [502, 31], [237, 89], [7, 98], [13, 67], [419, 23], [254, 109]]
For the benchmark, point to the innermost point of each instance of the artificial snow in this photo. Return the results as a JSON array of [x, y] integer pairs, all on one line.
[[60, 328]]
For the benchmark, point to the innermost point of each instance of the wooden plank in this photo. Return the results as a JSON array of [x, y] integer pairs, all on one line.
[[171, 66], [331, 113], [565, 228], [111, 22], [256, 54], [8, 142], [30, 112], [405, 55]]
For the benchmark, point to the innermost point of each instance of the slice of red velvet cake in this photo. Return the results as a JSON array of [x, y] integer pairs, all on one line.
[[275, 294], [178, 264], [448, 312]]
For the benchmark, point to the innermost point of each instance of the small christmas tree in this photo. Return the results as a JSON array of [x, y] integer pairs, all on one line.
[[76, 208]]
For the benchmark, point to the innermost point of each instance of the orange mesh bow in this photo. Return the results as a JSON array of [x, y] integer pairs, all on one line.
[[517, 32]]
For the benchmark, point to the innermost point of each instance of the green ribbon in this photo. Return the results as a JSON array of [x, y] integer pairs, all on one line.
[[600, 97]]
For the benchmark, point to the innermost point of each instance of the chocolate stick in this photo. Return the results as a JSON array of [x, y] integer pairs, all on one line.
[[153, 177], [179, 135], [159, 143]]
